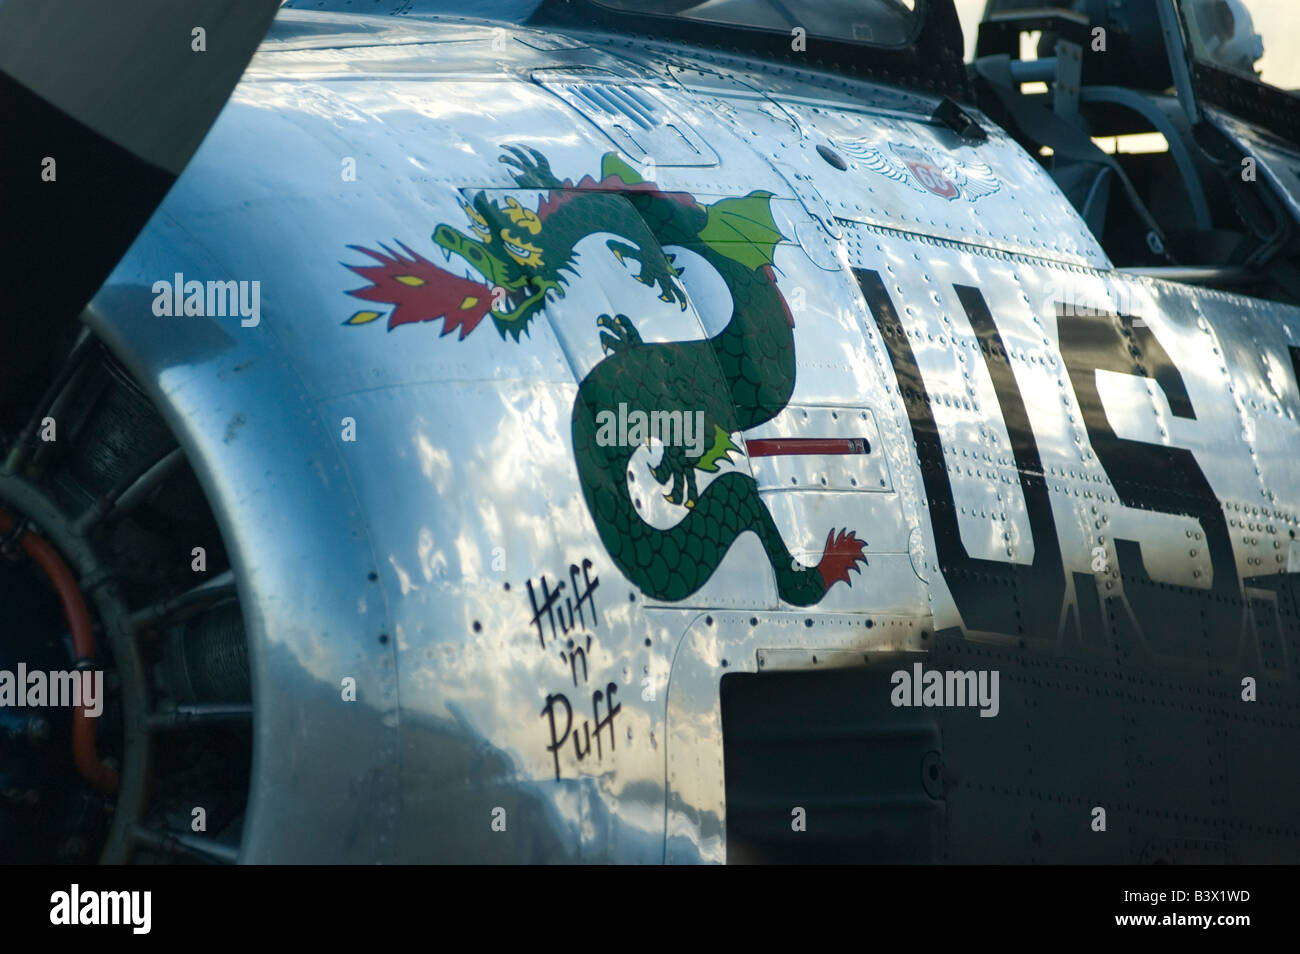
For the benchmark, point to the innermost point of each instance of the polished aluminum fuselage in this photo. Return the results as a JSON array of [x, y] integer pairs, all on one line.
[[390, 499]]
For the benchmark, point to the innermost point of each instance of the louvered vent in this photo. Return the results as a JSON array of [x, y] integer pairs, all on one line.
[[635, 115]]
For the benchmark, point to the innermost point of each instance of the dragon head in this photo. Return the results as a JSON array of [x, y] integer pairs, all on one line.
[[503, 245]]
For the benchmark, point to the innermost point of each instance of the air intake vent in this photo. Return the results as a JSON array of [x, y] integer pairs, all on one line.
[[866, 775], [635, 116]]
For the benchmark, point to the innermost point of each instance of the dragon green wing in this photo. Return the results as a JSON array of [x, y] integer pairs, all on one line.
[[742, 229], [611, 164]]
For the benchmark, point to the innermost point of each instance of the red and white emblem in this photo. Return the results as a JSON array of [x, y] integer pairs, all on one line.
[[925, 171], [945, 174]]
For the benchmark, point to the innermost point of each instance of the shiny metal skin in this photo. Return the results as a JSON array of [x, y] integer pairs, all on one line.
[[390, 499]]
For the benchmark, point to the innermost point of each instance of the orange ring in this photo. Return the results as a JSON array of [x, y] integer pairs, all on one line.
[[84, 754]]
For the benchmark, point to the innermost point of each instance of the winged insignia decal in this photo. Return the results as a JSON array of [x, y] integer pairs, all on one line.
[[939, 173]]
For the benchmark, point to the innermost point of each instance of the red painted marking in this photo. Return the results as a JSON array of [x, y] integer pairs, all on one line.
[[786, 446], [932, 178]]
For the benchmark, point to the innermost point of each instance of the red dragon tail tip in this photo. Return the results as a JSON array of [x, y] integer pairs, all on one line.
[[841, 554]]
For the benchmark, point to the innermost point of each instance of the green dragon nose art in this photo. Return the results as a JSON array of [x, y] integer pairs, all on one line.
[[739, 379]]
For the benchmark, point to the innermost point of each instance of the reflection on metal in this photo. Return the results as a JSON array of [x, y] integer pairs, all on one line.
[[1278, 161], [805, 190], [819, 448], [633, 114], [1207, 275], [778, 660], [536, 621]]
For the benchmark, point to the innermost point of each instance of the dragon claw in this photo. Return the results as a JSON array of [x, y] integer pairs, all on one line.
[[841, 554], [530, 168], [619, 332]]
